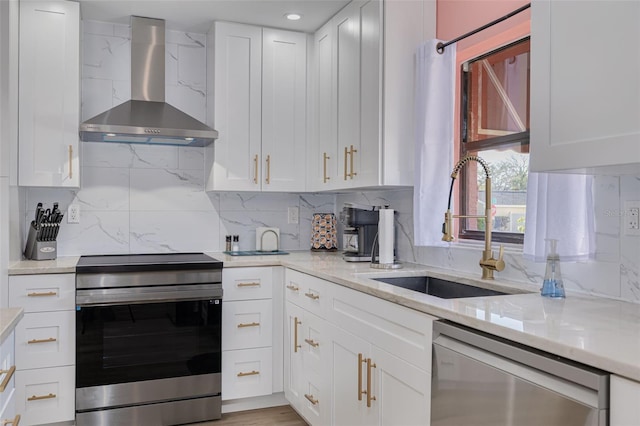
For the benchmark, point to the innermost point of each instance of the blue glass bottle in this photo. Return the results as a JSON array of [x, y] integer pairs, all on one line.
[[552, 285]]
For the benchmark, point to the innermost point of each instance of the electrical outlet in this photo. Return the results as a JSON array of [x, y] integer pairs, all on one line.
[[293, 215], [631, 218], [73, 213]]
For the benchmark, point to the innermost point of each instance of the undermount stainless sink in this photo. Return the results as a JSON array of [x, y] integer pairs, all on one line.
[[438, 287]]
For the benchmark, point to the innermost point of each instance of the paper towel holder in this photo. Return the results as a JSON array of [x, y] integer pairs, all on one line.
[[376, 263]]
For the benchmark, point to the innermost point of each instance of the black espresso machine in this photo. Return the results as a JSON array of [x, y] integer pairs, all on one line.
[[360, 229]]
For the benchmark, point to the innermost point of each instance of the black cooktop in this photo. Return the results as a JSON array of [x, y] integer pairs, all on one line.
[[111, 263]]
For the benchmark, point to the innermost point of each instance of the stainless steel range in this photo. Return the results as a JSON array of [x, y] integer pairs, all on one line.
[[148, 332]]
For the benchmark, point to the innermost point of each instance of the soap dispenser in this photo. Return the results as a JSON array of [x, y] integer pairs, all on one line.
[[552, 285]]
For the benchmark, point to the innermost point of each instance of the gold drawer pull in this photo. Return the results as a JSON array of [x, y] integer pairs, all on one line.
[[38, 398], [7, 378], [293, 288], [370, 397], [248, 284], [49, 340], [311, 399], [255, 169], [49, 293], [296, 323], [251, 324], [14, 422], [312, 342], [312, 296], [250, 373]]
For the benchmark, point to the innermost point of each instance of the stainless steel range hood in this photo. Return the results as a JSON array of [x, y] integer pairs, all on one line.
[[147, 118]]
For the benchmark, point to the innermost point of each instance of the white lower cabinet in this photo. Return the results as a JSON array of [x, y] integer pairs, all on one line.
[[367, 362], [625, 402], [247, 373], [46, 395], [251, 332], [45, 347]]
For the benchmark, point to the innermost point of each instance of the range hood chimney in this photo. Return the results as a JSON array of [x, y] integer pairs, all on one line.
[[147, 118]]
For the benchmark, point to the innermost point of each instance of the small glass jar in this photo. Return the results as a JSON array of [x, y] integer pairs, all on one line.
[[236, 243]]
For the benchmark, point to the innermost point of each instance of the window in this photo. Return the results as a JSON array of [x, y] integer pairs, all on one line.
[[495, 126]]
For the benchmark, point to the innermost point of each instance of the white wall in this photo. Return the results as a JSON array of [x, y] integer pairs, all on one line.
[[614, 273], [142, 199]]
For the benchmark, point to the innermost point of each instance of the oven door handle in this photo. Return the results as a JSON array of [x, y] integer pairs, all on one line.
[[138, 295]]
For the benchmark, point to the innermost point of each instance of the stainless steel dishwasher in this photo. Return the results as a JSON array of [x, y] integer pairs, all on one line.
[[479, 379]]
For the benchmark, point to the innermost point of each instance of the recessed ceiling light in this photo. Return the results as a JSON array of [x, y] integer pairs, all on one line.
[[188, 139], [111, 135], [293, 16]]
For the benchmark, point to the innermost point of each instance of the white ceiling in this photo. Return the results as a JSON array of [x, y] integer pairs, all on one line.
[[197, 15]]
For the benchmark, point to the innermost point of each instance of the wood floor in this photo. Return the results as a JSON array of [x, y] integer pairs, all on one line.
[[281, 416]]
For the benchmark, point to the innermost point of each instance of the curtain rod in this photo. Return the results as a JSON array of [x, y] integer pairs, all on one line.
[[440, 46]]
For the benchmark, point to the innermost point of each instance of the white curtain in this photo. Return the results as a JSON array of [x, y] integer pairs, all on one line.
[[435, 101], [560, 206]]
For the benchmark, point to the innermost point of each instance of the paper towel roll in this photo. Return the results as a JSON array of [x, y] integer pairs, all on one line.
[[386, 236]]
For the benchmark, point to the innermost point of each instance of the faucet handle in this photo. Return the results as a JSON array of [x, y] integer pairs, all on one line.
[[500, 265]]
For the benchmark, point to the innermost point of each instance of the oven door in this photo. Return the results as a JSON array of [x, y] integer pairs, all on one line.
[[143, 345]]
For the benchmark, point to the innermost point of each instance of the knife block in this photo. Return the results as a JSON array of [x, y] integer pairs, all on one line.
[[39, 250]]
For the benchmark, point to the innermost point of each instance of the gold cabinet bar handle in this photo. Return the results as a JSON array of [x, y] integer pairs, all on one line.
[[311, 399], [7, 378], [361, 392], [37, 398], [70, 161], [268, 178], [296, 346], [325, 178], [353, 151], [251, 324], [14, 422], [293, 288], [250, 373], [248, 284], [346, 153], [255, 169], [312, 342], [48, 293], [370, 397], [49, 340], [312, 296]]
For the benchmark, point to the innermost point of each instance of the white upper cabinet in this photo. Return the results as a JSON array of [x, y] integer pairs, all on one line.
[[284, 97], [363, 93], [585, 86], [49, 93], [237, 97], [259, 100]]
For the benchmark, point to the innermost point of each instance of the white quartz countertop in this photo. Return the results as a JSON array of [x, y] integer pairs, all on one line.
[[599, 332], [61, 265], [9, 318]]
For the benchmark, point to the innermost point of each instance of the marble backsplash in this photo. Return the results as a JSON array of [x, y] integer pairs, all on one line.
[[146, 199], [614, 273]]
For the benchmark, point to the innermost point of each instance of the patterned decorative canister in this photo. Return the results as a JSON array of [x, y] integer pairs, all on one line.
[[324, 233]]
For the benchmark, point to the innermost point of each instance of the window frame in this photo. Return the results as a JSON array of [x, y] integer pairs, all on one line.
[[496, 142]]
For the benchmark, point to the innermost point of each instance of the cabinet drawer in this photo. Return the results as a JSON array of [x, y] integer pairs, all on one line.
[[46, 395], [43, 293], [247, 283], [247, 324], [315, 344], [310, 293], [316, 402], [45, 339], [397, 329], [246, 373]]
